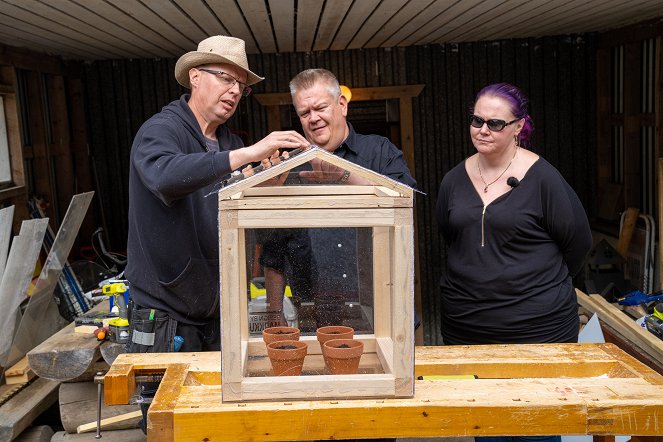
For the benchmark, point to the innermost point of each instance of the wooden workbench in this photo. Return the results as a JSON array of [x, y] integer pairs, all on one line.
[[594, 389]]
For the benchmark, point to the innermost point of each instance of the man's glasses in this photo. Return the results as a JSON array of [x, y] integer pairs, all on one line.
[[493, 124], [229, 81]]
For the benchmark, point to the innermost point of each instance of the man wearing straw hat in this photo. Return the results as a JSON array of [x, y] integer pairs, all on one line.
[[177, 157]]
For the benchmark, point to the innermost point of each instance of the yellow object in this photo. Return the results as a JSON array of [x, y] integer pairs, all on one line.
[[346, 92], [658, 313], [446, 377], [258, 290], [116, 289]]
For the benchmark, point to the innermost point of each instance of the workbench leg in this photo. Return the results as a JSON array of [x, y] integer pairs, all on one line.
[[604, 438]]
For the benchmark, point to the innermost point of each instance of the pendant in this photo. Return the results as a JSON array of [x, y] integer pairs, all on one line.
[[485, 189]]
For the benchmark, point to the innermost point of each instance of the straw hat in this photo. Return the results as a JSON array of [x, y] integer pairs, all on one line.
[[216, 49]]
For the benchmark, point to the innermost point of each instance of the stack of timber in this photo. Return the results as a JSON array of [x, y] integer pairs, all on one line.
[[621, 329], [73, 359]]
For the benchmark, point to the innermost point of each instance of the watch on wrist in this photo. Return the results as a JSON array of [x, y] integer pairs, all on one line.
[[344, 178]]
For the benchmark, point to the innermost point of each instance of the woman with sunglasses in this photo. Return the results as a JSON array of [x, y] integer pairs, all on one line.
[[516, 234]]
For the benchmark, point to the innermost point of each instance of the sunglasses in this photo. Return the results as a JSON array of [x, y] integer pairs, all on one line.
[[493, 124]]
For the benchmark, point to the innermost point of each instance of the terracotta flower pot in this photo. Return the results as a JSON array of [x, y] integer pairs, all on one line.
[[287, 357], [274, 334], [342, 355], [330, 332]]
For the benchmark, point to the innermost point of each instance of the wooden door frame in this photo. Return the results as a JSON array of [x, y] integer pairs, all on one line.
[[404, 94]]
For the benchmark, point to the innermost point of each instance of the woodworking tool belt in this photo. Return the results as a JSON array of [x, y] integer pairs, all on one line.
[[152, 331]]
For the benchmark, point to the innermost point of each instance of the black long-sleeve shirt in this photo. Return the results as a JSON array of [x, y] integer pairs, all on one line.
[[516, 287], [173, 247]]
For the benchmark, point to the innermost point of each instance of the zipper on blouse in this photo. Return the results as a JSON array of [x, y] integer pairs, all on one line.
[[483, 215]]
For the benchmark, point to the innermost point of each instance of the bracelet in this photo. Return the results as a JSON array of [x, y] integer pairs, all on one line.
[[344, 177]]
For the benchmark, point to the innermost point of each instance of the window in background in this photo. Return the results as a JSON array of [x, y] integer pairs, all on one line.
[[5, 167]]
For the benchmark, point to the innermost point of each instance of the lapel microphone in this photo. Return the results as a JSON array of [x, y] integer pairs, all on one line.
[[513, 181]]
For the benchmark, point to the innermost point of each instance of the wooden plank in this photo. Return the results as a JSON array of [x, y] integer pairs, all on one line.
[[40, 433], [405, 15], [233, 20], [39, 13], [160, 415], [6, 222], [199, 13], [103, 17], [352, 22], [170, 13], [18, 273], [318, 202], [402, 316], [627, 229], [78, 406], [19, 373], [232, 296], [330, 21], [145, 15], [358, 94], [253, 219], [308, 14], [135, 435], [32, 32], [381, 15], [131, 25], [475, 20], [255, 14], [614, 317], [382, 281], [283, 20], [65, 355], [120, 421], [20, 411]]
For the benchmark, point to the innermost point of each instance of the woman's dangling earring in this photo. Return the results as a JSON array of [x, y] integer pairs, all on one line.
[[516, 140]]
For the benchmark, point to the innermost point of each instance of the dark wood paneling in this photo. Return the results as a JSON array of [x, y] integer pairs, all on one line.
[[556, 73]]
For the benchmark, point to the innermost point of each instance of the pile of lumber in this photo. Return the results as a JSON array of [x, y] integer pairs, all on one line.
[[40, 361], [622, 329]]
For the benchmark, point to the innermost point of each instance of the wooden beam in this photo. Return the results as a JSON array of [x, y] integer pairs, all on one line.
[[123, 421], [358, 94], [19, 373], [614, 317], [21, 410]]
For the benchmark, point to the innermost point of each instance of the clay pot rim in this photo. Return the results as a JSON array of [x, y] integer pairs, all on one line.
[[282, 328], [336, 343], [339, 329], [297, 344], [323, 334]]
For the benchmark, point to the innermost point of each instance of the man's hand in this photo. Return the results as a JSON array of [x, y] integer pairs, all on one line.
[[323, 172], [266, 147], [273, 161]]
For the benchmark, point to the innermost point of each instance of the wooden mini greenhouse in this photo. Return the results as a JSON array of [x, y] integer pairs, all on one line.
[[382, 313]]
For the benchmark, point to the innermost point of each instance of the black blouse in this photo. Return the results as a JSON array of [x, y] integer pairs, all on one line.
[[509, 267]]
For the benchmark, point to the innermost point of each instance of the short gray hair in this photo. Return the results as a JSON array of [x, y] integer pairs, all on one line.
[[308, 78]]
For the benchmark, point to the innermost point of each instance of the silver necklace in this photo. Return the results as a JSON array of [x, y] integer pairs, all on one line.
[[487, 185]]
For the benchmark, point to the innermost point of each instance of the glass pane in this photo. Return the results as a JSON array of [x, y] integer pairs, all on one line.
[[310, 277]]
